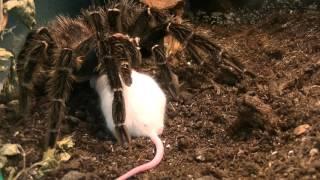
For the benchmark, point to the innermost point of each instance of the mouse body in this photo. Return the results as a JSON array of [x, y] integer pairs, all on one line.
[[145, 105]]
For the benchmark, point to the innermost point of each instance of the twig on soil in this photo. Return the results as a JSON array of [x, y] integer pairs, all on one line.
[[27, 169], [172, 107]]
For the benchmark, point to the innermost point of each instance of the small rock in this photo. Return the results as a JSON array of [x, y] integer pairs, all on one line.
[[200, 158], [13, 108], [290, 153], [313, 152], [2, 106], [204, 155], [240, 152], [274, 152], [187, 97], [301, 129], [13, 104], [183, 143], [74, 175], [3, 109], [15, 134]]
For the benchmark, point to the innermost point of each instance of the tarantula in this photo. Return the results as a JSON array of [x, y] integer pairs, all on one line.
[[109, 40]]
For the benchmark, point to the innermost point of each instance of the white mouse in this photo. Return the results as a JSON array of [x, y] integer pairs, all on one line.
[[145, 105]]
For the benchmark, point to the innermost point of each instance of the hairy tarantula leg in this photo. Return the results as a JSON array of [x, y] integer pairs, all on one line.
[[96, 20], [34, 51], [118, 106], [168, 76], [131, 50], [134, 52], [27, 74], [118, 113], [59, 89], [109, 66], [192, 40], [26, 85], [114, 20]]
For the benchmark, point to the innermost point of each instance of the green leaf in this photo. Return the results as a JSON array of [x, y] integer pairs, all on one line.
[[1, 176]]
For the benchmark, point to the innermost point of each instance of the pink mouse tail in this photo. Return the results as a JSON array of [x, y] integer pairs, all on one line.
[[149, 165]]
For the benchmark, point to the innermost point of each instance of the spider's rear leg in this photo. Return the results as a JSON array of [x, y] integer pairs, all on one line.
[[33, 58], [167, 75], [59, 88], [193, 42]]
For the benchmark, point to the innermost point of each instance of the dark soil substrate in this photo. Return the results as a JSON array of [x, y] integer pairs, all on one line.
[[222, 127]]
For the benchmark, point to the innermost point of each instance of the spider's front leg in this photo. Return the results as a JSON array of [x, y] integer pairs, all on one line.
[[111, 67], [123, 53], [59, 88], [109, 53], [32, 62]]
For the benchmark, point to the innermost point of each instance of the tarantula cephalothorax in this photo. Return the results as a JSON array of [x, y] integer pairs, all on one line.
[[103, 40]]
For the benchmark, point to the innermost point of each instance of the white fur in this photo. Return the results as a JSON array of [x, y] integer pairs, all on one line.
[[144, 100]]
